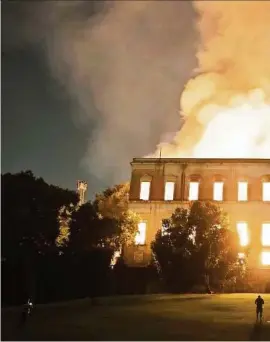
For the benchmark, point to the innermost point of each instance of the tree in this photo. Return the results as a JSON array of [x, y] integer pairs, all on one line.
[[30, 225], [197, 246], [30, 210], [104, 223], [112, 207]]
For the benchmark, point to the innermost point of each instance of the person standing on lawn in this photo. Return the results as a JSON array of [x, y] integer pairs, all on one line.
[[259, 307]]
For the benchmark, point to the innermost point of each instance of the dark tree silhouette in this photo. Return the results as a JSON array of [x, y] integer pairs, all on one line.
[[196, 247], [30, 209]]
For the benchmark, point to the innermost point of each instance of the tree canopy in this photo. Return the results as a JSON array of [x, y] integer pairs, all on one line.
[[196, 246], [45, 231], [30, 210], [106, 222]]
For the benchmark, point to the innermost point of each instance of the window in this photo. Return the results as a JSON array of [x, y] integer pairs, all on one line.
[[266, 191], [169, 191], [266, 258], [266, 234], [242, 191], [145, 191], [242, 229], [193, 191], [141, 234], [218, 191]]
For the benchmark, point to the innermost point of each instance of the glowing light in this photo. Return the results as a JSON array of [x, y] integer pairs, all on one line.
[[164, 229], [218, 191], [169, 191], [241, 255], [242, 191], [266, 258], [221, 134], [230, 141], [192, 237], [266, 234], [145, 191], [141, 234], [115, 257], [193, 191], [242, 229], [266, 191]]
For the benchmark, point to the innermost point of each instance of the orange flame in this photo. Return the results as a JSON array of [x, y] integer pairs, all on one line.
[[227, 105]]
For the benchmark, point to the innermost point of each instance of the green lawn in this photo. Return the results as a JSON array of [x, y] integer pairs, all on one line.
[[153, 317]]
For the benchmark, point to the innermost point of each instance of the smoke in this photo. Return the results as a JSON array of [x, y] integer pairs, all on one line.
[[226, 106], [133, 58]]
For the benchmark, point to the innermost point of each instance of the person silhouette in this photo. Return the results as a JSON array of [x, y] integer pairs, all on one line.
[[259, 307]]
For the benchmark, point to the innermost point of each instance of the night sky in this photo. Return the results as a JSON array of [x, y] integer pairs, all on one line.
[[49, 127]]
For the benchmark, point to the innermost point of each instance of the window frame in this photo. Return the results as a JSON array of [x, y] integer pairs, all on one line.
[[198, 189], [173, 194], [145, 179], [265, 245], [247, 186], [263, 252], [266, 181], [247, 232], [138, 232], [221, 182]]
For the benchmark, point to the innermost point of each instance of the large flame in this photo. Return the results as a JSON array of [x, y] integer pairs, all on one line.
[[227, 105]]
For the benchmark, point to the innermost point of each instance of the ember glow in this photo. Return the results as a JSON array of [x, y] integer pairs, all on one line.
[[227, 105]]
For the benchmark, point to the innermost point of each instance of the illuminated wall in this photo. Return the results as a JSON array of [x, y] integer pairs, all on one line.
[[241, 187]]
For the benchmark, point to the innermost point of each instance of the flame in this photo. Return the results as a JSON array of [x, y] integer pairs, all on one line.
[[227, 105]]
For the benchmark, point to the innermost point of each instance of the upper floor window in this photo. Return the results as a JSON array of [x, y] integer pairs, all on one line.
[[266, 234], [242, 229], [145, 191], [266, 258], [218, 191], [193, 194], [266, 191], [169, 191], [242, 191], [141, 234]]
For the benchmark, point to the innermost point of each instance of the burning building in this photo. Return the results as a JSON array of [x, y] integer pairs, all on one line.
[[222, 152], [240, 186]]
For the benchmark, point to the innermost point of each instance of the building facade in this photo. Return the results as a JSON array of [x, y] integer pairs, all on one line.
[[240, 186]]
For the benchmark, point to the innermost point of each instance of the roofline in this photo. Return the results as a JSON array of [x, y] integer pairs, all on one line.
[[199, 160]]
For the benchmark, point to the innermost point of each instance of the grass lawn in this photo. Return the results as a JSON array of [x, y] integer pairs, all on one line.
[[152, 317]]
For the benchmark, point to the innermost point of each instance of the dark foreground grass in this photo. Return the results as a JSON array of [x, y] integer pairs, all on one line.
[[157, 317]]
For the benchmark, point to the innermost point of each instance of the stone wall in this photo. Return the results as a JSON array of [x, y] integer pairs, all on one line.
[[206, 172]]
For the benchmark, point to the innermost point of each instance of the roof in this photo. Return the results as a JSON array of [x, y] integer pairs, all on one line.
[[200, 160]]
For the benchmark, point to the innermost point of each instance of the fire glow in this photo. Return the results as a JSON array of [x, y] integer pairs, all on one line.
[[227, 105]]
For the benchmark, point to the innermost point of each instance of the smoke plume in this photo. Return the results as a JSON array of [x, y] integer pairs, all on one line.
[[133, 59], [226, 106]]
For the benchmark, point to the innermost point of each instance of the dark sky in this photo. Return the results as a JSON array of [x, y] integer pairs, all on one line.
[[76, 96], [38, 130]]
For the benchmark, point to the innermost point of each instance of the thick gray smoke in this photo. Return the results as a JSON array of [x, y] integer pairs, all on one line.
[[133, 58]]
